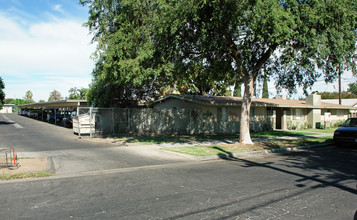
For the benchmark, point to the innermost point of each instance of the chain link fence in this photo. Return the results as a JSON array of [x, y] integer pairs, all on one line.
[[147, 121]]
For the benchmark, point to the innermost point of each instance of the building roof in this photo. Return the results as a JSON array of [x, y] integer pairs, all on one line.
[[57, 104], [237, 101], [348, 102]]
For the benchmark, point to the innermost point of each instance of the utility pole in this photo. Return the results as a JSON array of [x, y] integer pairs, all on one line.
[[339, 84], [339, 64]]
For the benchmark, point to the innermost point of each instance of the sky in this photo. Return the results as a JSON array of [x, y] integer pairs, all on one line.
[[44, 46]]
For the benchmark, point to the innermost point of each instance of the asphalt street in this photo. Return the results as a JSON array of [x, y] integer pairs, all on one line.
[[305, 185], [315, 184], [71, 155]]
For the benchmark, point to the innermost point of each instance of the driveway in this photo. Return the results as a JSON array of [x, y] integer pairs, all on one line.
[[70, 154]]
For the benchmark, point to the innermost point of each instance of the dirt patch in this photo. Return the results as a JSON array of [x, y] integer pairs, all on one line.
[[27, 165]]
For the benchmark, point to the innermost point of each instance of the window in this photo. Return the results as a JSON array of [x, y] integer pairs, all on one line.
[[339, 112], [270, 111], [222, 114], [299, 114]]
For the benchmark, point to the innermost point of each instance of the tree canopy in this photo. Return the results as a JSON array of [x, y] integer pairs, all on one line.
[[335, 95], [127, 69], [75, 93], [352, 88], [351, 93], [55, 96], [265, 92], [204, 46], [17, 102], [29, 95]]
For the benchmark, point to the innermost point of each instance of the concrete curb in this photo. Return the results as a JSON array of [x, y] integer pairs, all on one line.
[[272, 151], [50, 167]]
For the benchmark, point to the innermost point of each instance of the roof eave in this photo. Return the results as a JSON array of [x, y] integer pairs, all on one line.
[[71, 102]]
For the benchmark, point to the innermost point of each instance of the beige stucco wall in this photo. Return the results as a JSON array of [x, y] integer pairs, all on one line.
[[289, 120], [314, 116], [314, 100], [6, 109], [296, 121], [219, 119], [337, 116]]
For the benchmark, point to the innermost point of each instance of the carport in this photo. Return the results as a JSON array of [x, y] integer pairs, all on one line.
[[40, 109]]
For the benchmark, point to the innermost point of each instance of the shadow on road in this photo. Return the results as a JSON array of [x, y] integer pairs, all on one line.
[[330, 169], [338, 166], [6, 123]]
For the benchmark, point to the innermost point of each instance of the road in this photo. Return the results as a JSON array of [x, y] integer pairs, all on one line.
[[71, 155], [317, 184], [312, 185]]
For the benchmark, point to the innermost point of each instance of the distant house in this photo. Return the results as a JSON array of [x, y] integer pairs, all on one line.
[[346, 102], [7, 108], [265, 113]]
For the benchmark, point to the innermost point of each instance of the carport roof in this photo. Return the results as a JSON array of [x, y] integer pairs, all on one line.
[[59, 104], [237, 101]]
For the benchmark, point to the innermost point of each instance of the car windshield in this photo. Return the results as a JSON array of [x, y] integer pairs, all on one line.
[[352, 122]]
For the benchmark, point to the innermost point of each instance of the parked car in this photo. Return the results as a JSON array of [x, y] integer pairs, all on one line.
[[51, 118], [347, 133], [68, 120], [24, 112]]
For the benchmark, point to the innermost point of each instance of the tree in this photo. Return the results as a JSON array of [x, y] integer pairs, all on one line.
[[28, 96], [352, 88], [342, 52], [238, 89], [75, 93], [328, 95], [293, 35], [127, 69], [83, 93], [222, 40], [335, 95], [8, 101], [17, 102], [265, 93], [55, 96], [2, 94]]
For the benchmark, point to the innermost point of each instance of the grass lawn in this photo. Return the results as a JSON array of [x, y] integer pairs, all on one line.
[[328, 130], [203, 137], [279, 134], [24, 175], [240, 148]]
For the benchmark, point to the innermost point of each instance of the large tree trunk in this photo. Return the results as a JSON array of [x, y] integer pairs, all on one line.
[[244, 135]]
